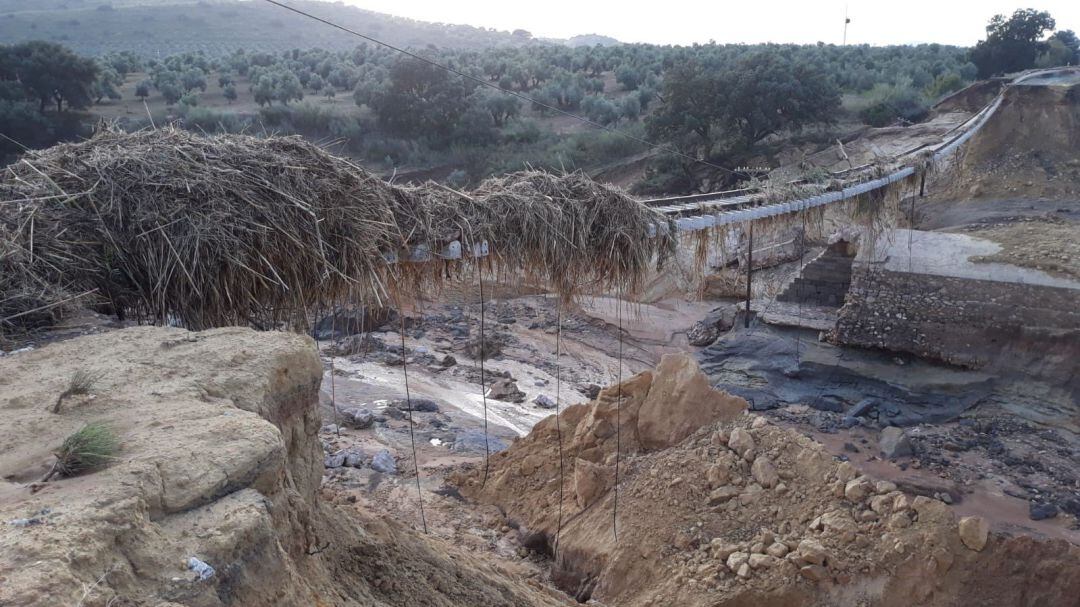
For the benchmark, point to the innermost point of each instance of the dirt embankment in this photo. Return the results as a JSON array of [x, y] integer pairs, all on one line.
[[1028, 148], [218, 460], [716, 507]]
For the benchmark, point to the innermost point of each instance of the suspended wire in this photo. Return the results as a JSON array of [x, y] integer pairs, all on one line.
[[483, 384], [522, 96], [558, 425], [618, 417], [315, 325], [408, 404], [799, 292], [333, 383]]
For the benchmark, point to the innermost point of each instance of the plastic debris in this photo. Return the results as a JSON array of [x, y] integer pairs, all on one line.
[[203, 570], [25, 522]]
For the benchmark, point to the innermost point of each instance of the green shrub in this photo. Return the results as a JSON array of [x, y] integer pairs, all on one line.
[[885, 104], [90, 448]]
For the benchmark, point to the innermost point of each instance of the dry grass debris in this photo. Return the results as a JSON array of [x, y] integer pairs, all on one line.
[[81, 382], [168, 226]]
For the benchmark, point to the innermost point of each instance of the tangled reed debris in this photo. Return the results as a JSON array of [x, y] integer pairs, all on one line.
[[173, 227]]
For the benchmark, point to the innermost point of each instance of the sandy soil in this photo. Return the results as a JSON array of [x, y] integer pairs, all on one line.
[[1053, 247]]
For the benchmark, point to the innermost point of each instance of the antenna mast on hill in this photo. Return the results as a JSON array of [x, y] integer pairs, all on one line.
[[847, 20]]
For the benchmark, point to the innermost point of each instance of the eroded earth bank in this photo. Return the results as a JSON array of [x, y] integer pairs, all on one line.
[[225, 457]]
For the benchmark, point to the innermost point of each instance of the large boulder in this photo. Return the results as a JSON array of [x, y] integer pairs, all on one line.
[[894, 443], [358, 418], [974, 531], [680, 401], [707, 330], [507, 390]]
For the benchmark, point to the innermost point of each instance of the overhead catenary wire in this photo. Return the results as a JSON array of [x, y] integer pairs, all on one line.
[[481, 81]]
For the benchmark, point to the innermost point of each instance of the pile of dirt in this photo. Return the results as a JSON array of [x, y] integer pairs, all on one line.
[[219, 460], [717, 507], [1048, 245], [1026, 149]]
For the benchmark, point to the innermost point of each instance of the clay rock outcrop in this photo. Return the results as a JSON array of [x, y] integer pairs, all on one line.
[[680, 401], [219, 460], [738, 511], [216, 461]]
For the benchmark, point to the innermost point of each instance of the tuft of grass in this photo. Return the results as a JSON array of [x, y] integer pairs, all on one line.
[[81, 382], [87, 449]]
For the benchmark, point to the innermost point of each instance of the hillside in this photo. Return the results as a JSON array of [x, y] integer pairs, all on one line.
[[157, 28]]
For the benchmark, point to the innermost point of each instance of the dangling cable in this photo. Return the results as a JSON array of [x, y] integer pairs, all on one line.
[[408, 404], [558, 425], [333, 385], [483, 383], [911, 233], [618, 418], [315, 326], [799, 291]]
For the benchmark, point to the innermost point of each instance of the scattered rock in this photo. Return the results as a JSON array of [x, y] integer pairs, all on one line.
[[354, 458], [858, 489], [741, 442], [882, 487], [899, 520], [383, 462], [777, 549], [358, 418], [544, 401], [591, 391], [708, 329], [846, 472], [721, 550], [974, 530], [816, 573], [764, 472], [1038, 511], [419, 405], [722, 494], [336, 460], [737, 559], [812, 552], [202, 570], [343, 323], [761, 561], [491, 347], [894, 443], [718, 475], [507, 390], [701, 334]]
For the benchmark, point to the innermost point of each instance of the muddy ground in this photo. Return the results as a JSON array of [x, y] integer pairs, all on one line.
[[969, 446]]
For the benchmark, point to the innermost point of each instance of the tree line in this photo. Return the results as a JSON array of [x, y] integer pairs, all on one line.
[[721, 103]]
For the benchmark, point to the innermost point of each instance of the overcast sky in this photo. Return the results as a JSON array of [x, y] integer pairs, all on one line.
[[689, 21]]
